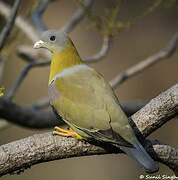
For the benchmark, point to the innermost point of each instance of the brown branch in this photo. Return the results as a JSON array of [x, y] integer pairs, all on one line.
[[167, 155], [150, 61], [9, 25], [21, 154], [163, 107], [17, 156]]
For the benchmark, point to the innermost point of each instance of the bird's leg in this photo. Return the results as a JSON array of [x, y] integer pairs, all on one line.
[[66, 132]]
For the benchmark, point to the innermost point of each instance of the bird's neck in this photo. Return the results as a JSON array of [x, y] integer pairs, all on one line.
[[66, 58]]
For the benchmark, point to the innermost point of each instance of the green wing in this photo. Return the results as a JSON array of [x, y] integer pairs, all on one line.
[[88, 103]]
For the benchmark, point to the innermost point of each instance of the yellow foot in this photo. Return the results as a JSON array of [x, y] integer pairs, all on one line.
[[66, 132]]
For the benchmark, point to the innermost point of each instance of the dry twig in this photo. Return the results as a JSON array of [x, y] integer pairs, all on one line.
[[138, 68]]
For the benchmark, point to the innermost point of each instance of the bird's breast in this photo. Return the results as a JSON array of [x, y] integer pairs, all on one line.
[[53, 92]]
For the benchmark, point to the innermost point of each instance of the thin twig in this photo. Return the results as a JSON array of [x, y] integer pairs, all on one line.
[[23, 75], [138, 68], [20, 22], [25, 26], [77, 16], [9, 25], [38, 13], [103, 51]]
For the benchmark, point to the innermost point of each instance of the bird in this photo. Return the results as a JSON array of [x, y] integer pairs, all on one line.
[[86, 101]]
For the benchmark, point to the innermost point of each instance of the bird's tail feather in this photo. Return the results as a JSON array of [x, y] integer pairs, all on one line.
[[142, 157]]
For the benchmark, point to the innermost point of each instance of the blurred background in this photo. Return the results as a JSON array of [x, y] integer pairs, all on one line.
[[145, 37]]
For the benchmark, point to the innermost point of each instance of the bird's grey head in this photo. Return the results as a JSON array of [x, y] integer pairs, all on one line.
[[52, 40]]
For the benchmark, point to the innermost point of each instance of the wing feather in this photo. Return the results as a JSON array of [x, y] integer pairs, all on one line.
[[88, 102]]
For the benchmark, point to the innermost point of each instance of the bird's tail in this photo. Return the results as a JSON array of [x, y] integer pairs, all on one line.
[[142, 157]]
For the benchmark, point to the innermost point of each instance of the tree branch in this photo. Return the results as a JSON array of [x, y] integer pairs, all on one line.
[[23, 75], [167, 155], [26, 116], [77, 16], [9, 25], [25, 26], [21, 154], [157, 112], [37, 118], [103, 51], [20, 22], [155, 58], [38, 13]]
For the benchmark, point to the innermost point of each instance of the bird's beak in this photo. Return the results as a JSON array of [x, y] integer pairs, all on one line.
[[39, 44]]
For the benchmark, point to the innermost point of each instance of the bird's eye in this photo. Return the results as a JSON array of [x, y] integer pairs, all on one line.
[[52, 38]]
